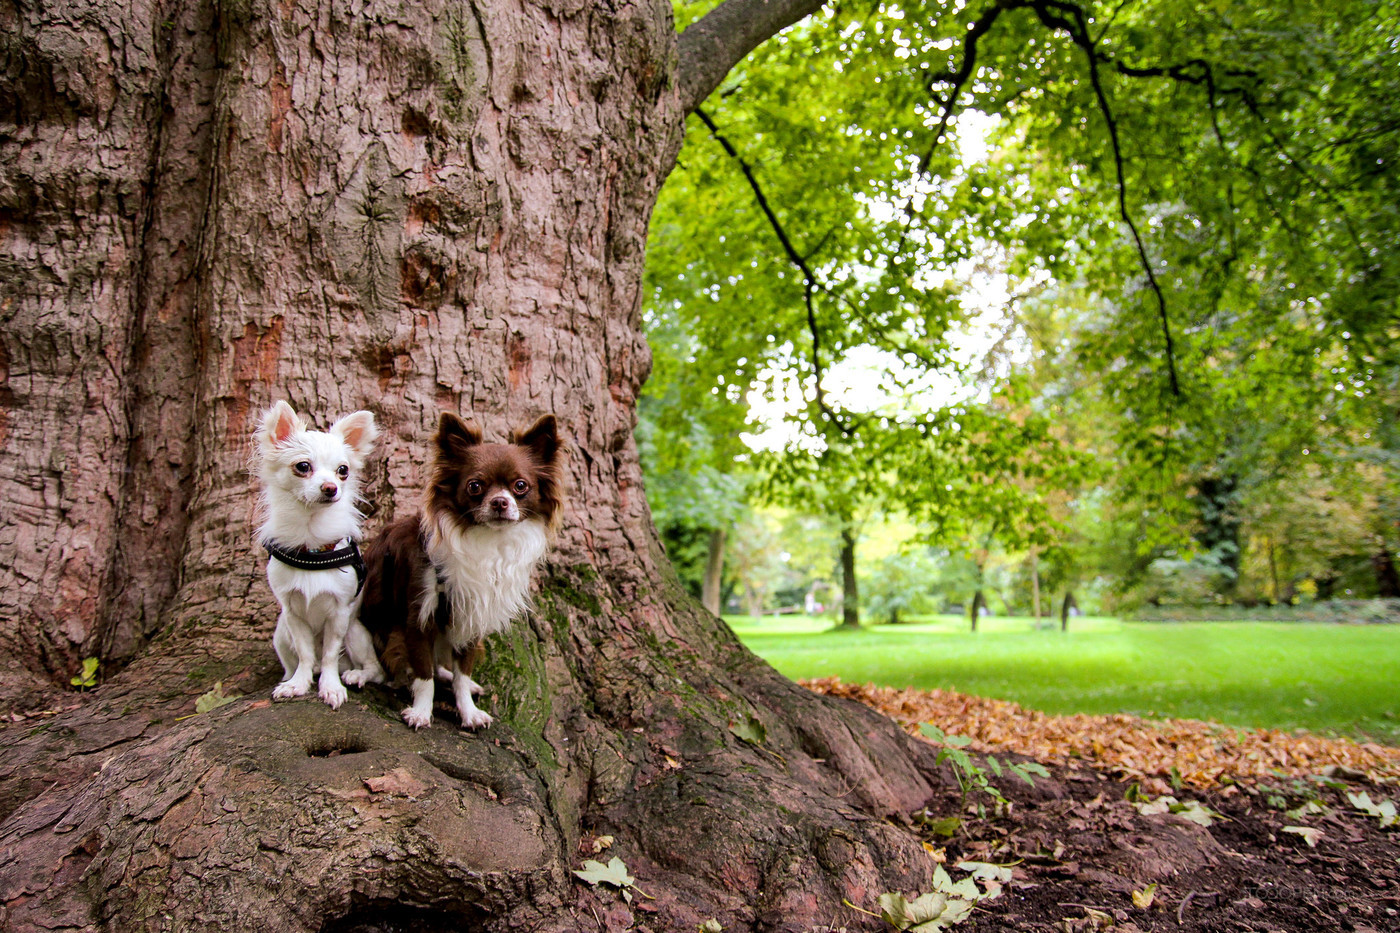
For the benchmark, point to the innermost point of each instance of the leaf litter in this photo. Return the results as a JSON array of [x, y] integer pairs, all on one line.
[[1133, 835], [1160, 753]]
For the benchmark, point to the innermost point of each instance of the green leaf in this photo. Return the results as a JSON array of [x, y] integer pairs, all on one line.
[[214, 699], [711, 926], [749, 730], [1310, 808], [87, 678], [947, 826], [613, 873]]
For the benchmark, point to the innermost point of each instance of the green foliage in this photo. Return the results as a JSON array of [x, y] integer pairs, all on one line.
[[1194, 211], [970, 776]]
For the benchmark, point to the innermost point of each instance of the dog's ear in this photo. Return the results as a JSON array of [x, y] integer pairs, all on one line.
[[357, 431], [542, 438], [454, 435], [278, 424]]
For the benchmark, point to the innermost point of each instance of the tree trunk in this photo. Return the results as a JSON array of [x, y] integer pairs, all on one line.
[[1065, 609], [1273, 572], [408, 208], [850, 592], [714, 573], [979, 602], [1387, 577], [1035, 584]]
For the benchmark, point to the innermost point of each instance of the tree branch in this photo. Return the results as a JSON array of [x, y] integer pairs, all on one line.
[[720, 39], [810, 283], [1070, 17]]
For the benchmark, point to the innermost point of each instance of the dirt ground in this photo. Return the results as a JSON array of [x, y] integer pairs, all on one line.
[[1081, 845]]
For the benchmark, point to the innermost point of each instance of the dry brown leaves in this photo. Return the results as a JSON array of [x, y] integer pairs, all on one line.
[[1203, 754]]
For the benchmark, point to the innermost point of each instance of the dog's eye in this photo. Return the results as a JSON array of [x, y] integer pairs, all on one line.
[[474, 488], [342, 471], [521, 487], [302, 469]]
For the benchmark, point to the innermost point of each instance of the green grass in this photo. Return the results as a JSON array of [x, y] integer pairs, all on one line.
[[1331, 679]]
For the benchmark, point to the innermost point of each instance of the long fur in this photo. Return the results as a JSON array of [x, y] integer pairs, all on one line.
[[308, 503], [488, 513]]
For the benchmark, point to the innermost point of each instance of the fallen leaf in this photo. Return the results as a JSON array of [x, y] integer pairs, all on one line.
[[1142, 900], [1196, 812], [601, 843], [214, 699], [613, 873], [711, 926], [927, 913], [1385, 810], [1310, 834]]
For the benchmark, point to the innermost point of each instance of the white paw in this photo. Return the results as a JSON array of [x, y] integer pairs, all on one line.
[[474, 719], [416, 719], [359, 678], [444, 674], [476, 688], [333, 694], [288, 689]]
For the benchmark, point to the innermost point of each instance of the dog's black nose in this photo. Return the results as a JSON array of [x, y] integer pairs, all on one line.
[[500, 504], [329, 490]]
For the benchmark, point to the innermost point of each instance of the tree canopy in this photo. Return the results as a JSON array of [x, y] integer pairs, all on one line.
[[1193, 210]]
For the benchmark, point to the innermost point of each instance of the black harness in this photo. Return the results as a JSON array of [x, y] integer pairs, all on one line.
[[302, 559]]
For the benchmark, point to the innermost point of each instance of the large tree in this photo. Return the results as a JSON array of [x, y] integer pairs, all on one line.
[[407, 208]]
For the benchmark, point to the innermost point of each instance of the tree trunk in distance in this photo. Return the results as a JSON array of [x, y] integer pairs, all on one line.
[[978, 602], [408, 208], [1273, 571], [711, 588], [850, 592], [1387, 577], [1035, 584], [1065, 607]]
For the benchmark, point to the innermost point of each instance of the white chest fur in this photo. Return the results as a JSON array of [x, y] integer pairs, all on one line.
[[486, 572]]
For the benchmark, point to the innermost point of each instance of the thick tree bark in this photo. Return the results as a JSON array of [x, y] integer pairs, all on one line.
[[712, 586], [405, 208]]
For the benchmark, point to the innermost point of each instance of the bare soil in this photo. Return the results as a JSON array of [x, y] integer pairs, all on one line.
[[1080, 847]]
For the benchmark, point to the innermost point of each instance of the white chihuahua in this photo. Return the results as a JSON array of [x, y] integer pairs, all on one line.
[[310, 483]]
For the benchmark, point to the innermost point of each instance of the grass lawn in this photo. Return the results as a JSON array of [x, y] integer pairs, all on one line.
[[1342, 679]]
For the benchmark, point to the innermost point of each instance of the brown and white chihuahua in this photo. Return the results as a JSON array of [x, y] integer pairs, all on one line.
[[441, 580]]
